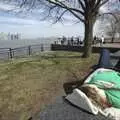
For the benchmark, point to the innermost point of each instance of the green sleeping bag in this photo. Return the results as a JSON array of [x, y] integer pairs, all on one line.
[[110, 82]]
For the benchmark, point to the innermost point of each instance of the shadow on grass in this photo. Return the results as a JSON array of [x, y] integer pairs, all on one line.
[[54, 56], [70, 86]]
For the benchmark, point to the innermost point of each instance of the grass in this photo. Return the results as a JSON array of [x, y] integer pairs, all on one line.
[[27, 85]]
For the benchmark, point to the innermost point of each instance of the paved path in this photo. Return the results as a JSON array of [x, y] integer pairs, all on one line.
[[113, 45], [62, 110]]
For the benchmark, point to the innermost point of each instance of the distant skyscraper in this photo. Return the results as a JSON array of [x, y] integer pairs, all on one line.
[[15, 36], [9, 37], [12, 37]]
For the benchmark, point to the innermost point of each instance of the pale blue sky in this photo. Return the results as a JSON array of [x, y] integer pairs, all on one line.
[[33, 28]]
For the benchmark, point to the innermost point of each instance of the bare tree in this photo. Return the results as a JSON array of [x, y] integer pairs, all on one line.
[[86, 11], [111, 29], [118, 28], [111, 26]]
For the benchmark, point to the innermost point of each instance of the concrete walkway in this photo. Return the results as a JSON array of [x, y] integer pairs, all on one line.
[[113, 45], [62, 110]]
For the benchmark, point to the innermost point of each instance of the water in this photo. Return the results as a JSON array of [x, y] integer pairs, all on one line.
[[25, 42], [22, 47]]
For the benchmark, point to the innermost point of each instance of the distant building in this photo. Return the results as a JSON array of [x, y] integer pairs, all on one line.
[[10, 36], [15, 36]]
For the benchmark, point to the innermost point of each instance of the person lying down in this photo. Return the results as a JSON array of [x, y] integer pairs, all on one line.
[[103, 89]]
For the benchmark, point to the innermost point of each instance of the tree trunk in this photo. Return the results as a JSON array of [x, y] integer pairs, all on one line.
[[113, 36], [88, 37], [112, 40]]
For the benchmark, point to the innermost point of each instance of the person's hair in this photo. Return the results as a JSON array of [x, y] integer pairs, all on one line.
[[91, 93]]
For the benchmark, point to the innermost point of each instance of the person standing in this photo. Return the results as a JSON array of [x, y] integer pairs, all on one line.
[[102, 39], [77, 40], [94, 40], [72, 40]]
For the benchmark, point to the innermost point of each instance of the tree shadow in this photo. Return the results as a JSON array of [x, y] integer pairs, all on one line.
[[70, 86], [62, 56], [55, 56]]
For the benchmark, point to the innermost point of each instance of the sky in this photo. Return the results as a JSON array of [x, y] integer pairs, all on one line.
[[33, 29], [30, 27]]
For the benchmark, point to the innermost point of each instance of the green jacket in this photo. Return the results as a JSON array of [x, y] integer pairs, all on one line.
[[110, 82]]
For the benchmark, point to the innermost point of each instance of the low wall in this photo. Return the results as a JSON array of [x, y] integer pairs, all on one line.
[[56, 47]]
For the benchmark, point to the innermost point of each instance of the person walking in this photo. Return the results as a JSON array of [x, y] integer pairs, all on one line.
[[102, 40]]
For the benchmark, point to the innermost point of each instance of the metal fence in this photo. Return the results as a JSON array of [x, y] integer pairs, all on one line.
[[9, 53]]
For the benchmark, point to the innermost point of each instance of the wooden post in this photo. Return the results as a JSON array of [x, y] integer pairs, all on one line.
[[8, 55], [29, 50], [10, 50], [13, 53]]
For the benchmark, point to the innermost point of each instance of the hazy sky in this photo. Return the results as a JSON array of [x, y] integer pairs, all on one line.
[[33, 28]]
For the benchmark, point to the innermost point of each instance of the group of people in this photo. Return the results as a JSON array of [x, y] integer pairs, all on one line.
[[100, 40], [78, 41], [69, 41]]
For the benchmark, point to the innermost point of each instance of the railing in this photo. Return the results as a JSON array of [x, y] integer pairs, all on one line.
[[95, 49], [9, 53]]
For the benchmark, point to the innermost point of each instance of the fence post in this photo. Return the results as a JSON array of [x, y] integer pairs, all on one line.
[[13, 53], [29, 50], [10, 50], [42, 47]]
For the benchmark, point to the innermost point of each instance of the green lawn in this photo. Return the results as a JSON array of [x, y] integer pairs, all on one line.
[[27, 85]]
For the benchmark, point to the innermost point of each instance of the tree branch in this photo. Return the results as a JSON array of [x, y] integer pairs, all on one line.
[[82, 5], [104, 2], [112, 14], [71, 10], [59, 18], [98, 5]]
